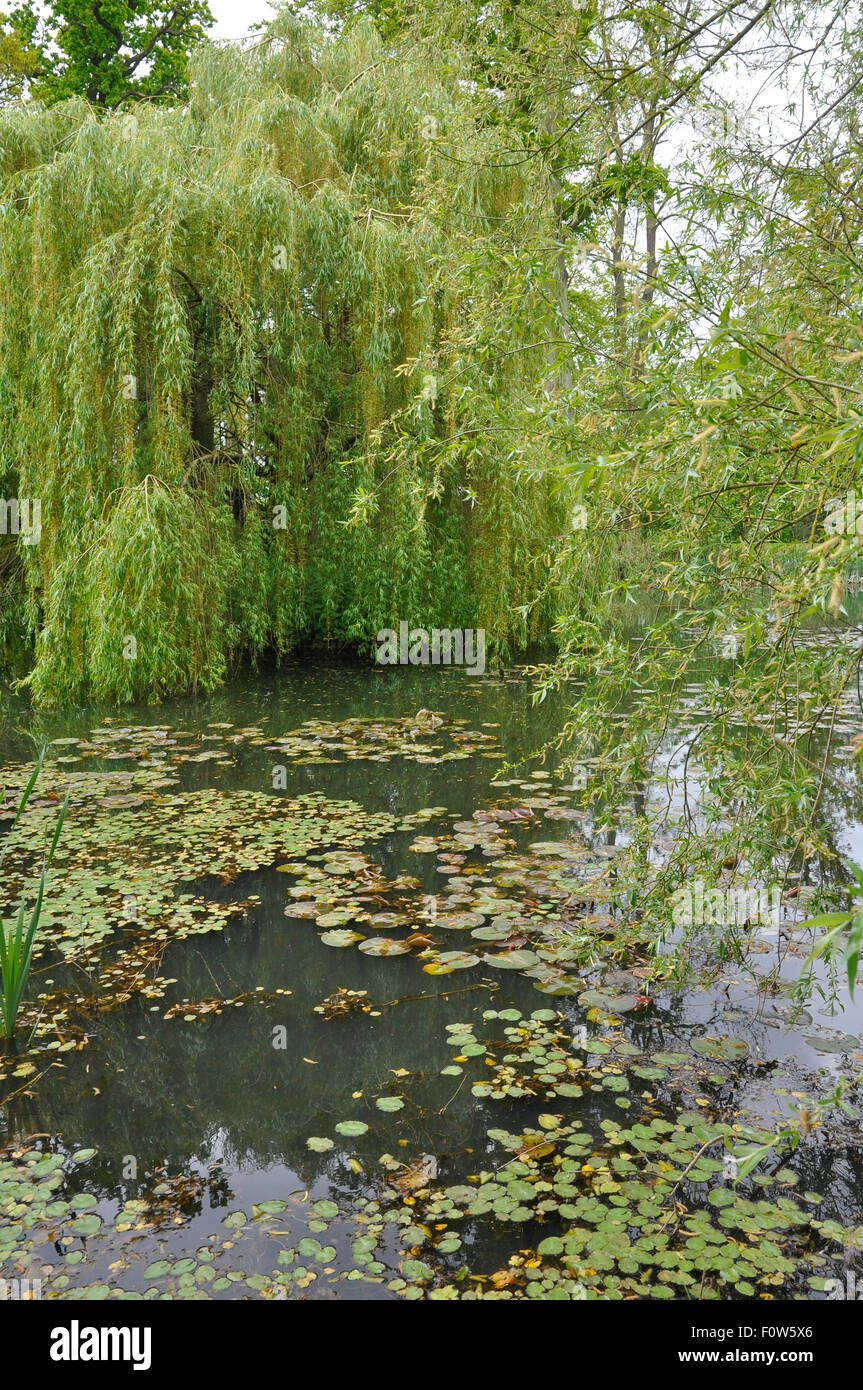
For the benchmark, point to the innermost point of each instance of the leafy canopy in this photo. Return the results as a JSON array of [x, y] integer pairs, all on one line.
[[111, 50]]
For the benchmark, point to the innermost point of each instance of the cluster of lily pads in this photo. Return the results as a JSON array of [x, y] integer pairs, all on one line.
[[117, 898], [638, 1207], [132, 838], [604, 1190], [535, 910], [53, 1240], [425, 737]]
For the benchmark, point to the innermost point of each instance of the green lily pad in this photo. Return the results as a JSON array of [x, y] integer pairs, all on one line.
[[342, 938], [512, 960], [384, 946], [86, 1225]]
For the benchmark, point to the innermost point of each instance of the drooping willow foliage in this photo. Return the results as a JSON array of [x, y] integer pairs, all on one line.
[[233, 370]]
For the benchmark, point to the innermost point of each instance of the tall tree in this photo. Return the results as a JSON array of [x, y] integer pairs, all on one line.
[[225, 328]]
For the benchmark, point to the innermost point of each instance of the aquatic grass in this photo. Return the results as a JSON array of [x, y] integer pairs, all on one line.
[[16, 947]]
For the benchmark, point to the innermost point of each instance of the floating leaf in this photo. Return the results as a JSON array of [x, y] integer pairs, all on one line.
[[448, 961], [512, 960], [384, 946], [344, 938], [86, 1225], [732, 1049]]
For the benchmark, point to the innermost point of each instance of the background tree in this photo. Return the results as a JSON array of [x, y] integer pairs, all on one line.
[[110, 50], [19, 62]]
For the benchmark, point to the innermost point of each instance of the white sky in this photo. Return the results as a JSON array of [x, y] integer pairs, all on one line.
[[234, 18]]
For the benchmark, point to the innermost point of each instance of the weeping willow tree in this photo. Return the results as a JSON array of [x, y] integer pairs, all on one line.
[[238, 369]]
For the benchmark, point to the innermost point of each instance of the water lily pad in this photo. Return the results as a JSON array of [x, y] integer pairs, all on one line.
[[448, 961], [512, 960], [86, 1225], [459, 921], [384, 946], [729, 1049]]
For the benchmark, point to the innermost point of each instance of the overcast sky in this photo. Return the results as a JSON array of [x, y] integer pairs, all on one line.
[[235, 17]]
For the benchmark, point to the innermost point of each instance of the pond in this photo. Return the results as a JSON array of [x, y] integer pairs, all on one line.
[[332, 1004]]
